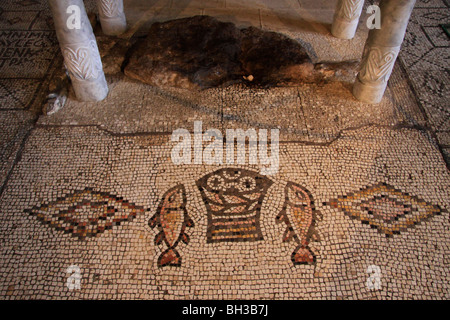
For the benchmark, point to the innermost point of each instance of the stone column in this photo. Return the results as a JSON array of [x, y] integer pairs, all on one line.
[[112, 17], [346, 18], [381, 50], [79, 49]]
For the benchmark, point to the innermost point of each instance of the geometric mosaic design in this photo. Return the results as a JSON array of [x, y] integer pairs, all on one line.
[[26, 54], [18, 93], [425, 54], [26, 58], [299, 215], [233, 199], [446, 28], [385, 208], [85, 213], [171, 218]]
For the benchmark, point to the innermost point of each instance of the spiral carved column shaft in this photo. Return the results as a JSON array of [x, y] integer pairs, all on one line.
[[112, 16], [346, 18], [381, 50], [79, 49]]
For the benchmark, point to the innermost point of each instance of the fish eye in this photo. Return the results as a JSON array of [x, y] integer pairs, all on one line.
[[247, 184]]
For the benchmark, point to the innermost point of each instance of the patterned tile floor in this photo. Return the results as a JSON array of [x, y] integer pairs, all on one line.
[[425, 55], [360, 188], [139, 226]]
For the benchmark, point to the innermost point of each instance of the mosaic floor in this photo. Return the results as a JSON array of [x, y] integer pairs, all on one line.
[[425, 56], [93, 207], [140, 227]]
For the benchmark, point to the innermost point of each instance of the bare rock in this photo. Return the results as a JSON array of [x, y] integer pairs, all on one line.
[[273, 58], [202, 52]]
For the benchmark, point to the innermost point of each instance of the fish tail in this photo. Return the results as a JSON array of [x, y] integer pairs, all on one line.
[[170, 257], [303, 255]]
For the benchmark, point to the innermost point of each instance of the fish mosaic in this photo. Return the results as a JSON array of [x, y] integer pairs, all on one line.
[[233, 199], [299, 215], [171, 219]]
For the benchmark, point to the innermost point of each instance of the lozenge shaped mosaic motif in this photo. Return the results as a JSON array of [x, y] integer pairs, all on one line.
[[299, 215], [385, 208], [171, 218], [233, 199], [85, 213]]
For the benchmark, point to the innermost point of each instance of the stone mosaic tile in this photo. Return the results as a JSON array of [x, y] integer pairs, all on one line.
[[153, 109], [172, 219], [264, 108], [299, 215], [43, 21], [433, 93], [37, 5], [386, 208], [431, 4], [17, 20], [443, 138], [85, 213], [24, 5], [26, 54], [406, 105], [324, 253], [101, 192], [446, 152], [14, 126], [312, 112], [437, 36], [18, 93], [425, 56], [27, 59], [233, 198]]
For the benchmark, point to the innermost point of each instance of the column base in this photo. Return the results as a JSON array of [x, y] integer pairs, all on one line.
[[369, 93], [90, 90], [344, 29]]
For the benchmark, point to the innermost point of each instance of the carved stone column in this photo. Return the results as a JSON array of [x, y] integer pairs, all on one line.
[[382, 49], [346, 18], [79, 49], [112, 16]]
